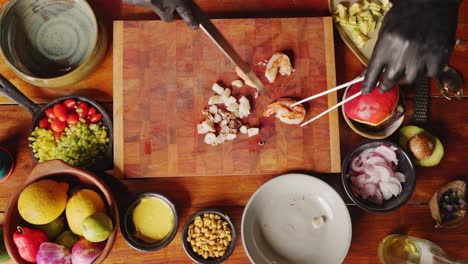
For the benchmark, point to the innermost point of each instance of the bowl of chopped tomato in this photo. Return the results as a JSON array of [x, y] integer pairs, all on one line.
[[74, 129]]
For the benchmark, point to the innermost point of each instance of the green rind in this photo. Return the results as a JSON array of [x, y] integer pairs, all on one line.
[[436, 156], [408, 132]]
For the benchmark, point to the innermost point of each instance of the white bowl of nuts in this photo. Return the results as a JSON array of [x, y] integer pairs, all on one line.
[[209, 236]]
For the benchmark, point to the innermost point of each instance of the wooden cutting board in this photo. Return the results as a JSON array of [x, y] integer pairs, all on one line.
[[163, 73]]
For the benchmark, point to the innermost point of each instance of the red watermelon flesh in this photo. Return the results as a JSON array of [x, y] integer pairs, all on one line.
[[373, 108]]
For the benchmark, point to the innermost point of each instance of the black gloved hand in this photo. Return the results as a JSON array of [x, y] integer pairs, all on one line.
[[166, 8], [417, 37]]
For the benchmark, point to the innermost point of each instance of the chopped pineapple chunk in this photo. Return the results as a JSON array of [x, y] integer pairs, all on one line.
[[355, 8], [361, 18]]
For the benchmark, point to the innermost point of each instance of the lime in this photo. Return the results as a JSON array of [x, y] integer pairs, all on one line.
[[97, 227], [67, 239], [54, 228], [43, 201]]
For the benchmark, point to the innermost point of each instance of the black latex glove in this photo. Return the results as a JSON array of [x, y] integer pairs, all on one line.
[[416, 38], [166, 8]]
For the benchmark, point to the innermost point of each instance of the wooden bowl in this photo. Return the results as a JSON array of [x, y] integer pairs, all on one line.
[[60, 171]]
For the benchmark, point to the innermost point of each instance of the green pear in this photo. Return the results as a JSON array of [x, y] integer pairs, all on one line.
[[97, 227], [53, 229], [67, 239]]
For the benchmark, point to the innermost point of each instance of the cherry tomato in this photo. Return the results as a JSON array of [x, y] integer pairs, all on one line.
[[82, 110], [60, 111], [69, 104], [91, 111], [49, 112], [96, 118], [57, 135], [44, 123], [73, 119], [58, 126]]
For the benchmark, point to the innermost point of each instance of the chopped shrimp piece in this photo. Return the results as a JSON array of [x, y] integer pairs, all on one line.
[[284, 112], [279, 61]]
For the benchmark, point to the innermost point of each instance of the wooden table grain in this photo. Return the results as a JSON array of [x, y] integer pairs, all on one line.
[[449, 120]]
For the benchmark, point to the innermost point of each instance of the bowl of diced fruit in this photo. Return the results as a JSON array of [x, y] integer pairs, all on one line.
[[74, 129]]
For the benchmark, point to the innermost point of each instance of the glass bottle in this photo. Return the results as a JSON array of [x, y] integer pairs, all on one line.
[[401, 249]]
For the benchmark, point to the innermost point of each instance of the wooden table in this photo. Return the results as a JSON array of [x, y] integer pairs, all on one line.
[[449, 121]]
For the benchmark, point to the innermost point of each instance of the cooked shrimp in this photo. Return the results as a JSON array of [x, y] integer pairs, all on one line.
[[278, 61], [284, 112]]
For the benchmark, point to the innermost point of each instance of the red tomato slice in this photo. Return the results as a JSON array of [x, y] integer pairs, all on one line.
[[73, 119], [60, 111], [44, 123], [82, 110], [69, 104], [57, 135], [91, 111], [58, 126], [96, 118], [49, 112]]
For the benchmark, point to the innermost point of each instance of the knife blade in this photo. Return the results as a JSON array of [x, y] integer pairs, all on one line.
[[215, 35]]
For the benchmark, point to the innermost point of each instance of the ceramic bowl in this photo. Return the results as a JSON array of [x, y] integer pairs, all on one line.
[[188, 248], [360, 129], [77, 179], [405, 166], [128, 228], [51, 43], [279, 222]]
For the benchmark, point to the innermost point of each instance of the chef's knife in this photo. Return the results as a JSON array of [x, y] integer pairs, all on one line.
[[213, 33]]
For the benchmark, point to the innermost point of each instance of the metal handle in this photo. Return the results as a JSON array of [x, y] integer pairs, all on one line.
[[12, 92]]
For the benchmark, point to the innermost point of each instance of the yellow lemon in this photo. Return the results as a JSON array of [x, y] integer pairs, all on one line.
[[81, 205], [43, 201]]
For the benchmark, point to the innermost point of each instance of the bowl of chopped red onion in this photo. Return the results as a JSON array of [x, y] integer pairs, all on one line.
[[378, 176]]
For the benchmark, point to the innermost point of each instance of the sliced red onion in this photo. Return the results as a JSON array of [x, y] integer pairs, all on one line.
[[376, 160], [377, 198], [399, 176], [373, 174], [360, 180], [369, 190], [387, 153], [386, 192], [357, 165]]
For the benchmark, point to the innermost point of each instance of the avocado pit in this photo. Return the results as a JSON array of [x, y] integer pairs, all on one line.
[[426, 149], [421, 146]]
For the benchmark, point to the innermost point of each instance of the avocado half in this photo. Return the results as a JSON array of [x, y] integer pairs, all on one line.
[[408, 132]]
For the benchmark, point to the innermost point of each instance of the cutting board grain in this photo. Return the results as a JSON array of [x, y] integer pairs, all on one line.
[[163, 73]]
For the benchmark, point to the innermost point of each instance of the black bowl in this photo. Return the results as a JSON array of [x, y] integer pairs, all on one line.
[[128, 229], [188, 248], [405, 166]]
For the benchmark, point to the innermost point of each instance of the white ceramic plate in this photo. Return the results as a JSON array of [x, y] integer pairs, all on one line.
[[277, 222], [363, 53]]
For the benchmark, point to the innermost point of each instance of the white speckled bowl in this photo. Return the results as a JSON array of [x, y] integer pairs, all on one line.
[[277, 222]]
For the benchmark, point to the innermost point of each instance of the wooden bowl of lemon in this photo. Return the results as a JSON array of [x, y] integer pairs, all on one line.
[[61, 213]]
